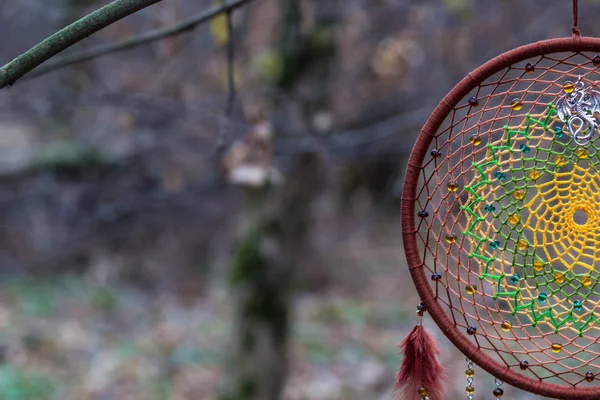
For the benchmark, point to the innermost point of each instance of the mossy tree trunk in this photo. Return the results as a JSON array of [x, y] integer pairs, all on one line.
[[273, 237], [274, 234]]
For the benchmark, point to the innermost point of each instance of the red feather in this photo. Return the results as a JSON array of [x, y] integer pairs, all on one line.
[[421, 366]]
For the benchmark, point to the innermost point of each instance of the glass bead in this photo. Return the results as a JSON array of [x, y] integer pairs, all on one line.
[[436, 277], [436, 154], [499, 175], [469, 373], [538, 265], [524, 148], [495, 244], [522, 244], [556, 347], [471, 289], [470, 389], [586, 280], [451, 238], [577, 305], [475, 140], [490, 208], [423, 391], [515, 278], [423, 214], [590, 375], [542, 297], [514, 219], [519, 194], [558, 132], [582, 153], [473, 102], [524, 364], [516, 104], [529, 68], [560, 161], [559, 277], [535, 174], [471, 330], [498, 392], [569, 87], [506, 326], [452, 186]]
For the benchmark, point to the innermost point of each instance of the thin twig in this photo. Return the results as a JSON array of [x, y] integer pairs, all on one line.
[[231, 90], [148, 37], [135, 41], [359, 138], [68, 36], [230, 65]]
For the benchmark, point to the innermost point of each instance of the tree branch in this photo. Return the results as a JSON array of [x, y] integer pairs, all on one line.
[[68, 36], [135, 41], [230, 65]]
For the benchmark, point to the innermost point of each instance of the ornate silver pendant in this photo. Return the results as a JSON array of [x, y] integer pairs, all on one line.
[[577, 108]]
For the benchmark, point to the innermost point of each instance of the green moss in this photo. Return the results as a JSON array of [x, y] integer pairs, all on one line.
[[267, 305], [315, 47], [299, 51], [248, 261], [247, 389]]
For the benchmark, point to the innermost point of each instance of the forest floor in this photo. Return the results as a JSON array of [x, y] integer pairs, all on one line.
[[70, 338]]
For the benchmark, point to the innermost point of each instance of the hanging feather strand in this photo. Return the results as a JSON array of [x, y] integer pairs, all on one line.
[[421, 375]]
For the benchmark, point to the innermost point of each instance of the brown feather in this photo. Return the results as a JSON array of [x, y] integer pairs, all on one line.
[[421, 366]]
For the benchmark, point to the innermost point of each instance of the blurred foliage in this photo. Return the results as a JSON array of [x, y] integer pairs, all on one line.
[[34, 296], [218, 27], [104, 299], [68, 157], [464, 8], [18, 384]]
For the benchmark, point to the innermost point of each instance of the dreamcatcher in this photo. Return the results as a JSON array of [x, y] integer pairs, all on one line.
[[501, 224]]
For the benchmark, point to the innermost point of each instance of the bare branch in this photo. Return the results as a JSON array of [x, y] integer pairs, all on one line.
[[356, 139], [231, 89], [230, 65], [148, 37], [68, 36]]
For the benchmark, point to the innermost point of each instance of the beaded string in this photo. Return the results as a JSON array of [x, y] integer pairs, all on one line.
[[422, 391], [470, 373], [498, 392]]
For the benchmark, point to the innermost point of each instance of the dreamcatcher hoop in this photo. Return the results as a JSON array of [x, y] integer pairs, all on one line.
[[416, 262]]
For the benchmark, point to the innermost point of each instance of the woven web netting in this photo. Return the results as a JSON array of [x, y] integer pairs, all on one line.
[[508, 223]]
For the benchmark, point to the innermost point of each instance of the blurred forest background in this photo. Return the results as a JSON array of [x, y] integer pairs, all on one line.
[[161, 238]]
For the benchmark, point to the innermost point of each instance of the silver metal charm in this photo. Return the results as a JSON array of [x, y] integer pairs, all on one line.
[[577, 110]]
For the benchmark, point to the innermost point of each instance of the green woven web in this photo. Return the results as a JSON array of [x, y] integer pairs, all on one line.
[[508, 223]]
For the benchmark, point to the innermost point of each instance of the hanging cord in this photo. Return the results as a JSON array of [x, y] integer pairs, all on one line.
[[470, 373], [576, 31]]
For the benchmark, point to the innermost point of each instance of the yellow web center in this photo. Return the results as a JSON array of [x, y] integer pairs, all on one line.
[[563, 218]]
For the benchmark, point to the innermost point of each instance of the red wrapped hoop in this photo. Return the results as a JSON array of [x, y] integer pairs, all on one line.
[[418, 237]]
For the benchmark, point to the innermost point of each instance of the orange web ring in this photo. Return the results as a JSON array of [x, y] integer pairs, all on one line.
[[427, 254]]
